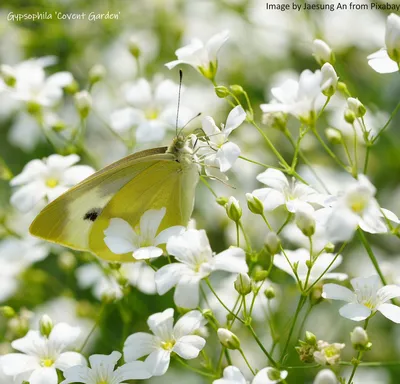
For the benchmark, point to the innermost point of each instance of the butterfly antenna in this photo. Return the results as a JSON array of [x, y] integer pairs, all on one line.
[[188, 122], [179, 101]]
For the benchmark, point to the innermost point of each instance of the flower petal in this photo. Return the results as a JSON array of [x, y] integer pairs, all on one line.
[[63, 335], [188, 324], [232, 375], [135, 370], [187, 292], [388, 292], [158, 362], [227, 155], [236, 117], [137, 345], [382, 63], [189, 347], [355, 312], [231, 260], [273, 178], [69, 359], [119, 236], [163, 236], [390, 311], [337, 292], [150, 221], [169, 275], [44, 376], [147, 253]]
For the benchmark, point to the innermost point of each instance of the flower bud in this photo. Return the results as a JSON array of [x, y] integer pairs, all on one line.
[[7, 73], [237, 89], [305, 222], [333, 135], [72, 87], [134, 48], [222, 200], [228, 339], [260, 275], [311, 338], [349, 116], [392, 37], [221, 91], [329, 247], [359, 338], [342, 87], [254, 204], [272, 243], [243, 284], [83, 103], [45, 325], [7, 311], [326, 376], [356, 106], [322, 52], [233, 209], [96, 73], [275, 375], [270, 293], [329, 80], [208, 314], [58, 125]]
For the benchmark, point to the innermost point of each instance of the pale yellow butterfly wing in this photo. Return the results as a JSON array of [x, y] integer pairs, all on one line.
[[164, 184], [65, 221]]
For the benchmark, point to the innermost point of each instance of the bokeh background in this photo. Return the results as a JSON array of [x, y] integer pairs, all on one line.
[[264, 48]]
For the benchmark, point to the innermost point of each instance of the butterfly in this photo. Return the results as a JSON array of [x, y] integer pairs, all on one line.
[[150, 179]]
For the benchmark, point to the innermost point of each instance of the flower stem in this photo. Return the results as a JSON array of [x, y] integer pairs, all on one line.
[[258, 341], [387, 123], [96, 324], [246, 361], [199, 371], [300, 305]]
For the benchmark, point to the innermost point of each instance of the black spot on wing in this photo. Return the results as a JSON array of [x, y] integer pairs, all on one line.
[[92, 214]]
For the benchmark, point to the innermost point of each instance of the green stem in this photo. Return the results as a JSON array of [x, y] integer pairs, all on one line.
[[371, 255], [205, 182], [387, 124], [261, 164], [258, 341], [246, 361], [199, 371], [96, 324], [221, 302], [300, 305], [327, 149]]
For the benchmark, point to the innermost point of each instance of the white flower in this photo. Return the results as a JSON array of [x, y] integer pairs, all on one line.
[[302, 257], [142, 241], [232, 375], [357, 207], [322, 52], [299, 98], [328, 354], [141, 276], [196, 262], [387, 60], [15, 256], [329, 79], [326, 376], [102, 371], [221, 154], [294, 195], [152, 110], [32, 86], [41, 356], [45, 180], [104, 285], [166, 339], [202, 57], [366, 299]]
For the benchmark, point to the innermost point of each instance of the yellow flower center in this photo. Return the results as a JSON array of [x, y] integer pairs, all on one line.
[[52, 182], [47, 362], [151, 114], [330, 351], [168, 345], [369, 304], [102, 382], [358, 206]]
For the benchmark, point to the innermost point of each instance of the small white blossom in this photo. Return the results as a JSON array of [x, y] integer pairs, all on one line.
[[151, 110], [302, 257], [202, 57], [41, 356], [142, 241], [326, 376], [220, 154], [279, 191], [366, 299], [328, 354], [196, 262], [322, 52], [232, 375], [32, 86], [166, 338], [329, 79], [357, 207], [387, 60], [102, 371], [45, 180], [299, 98]]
